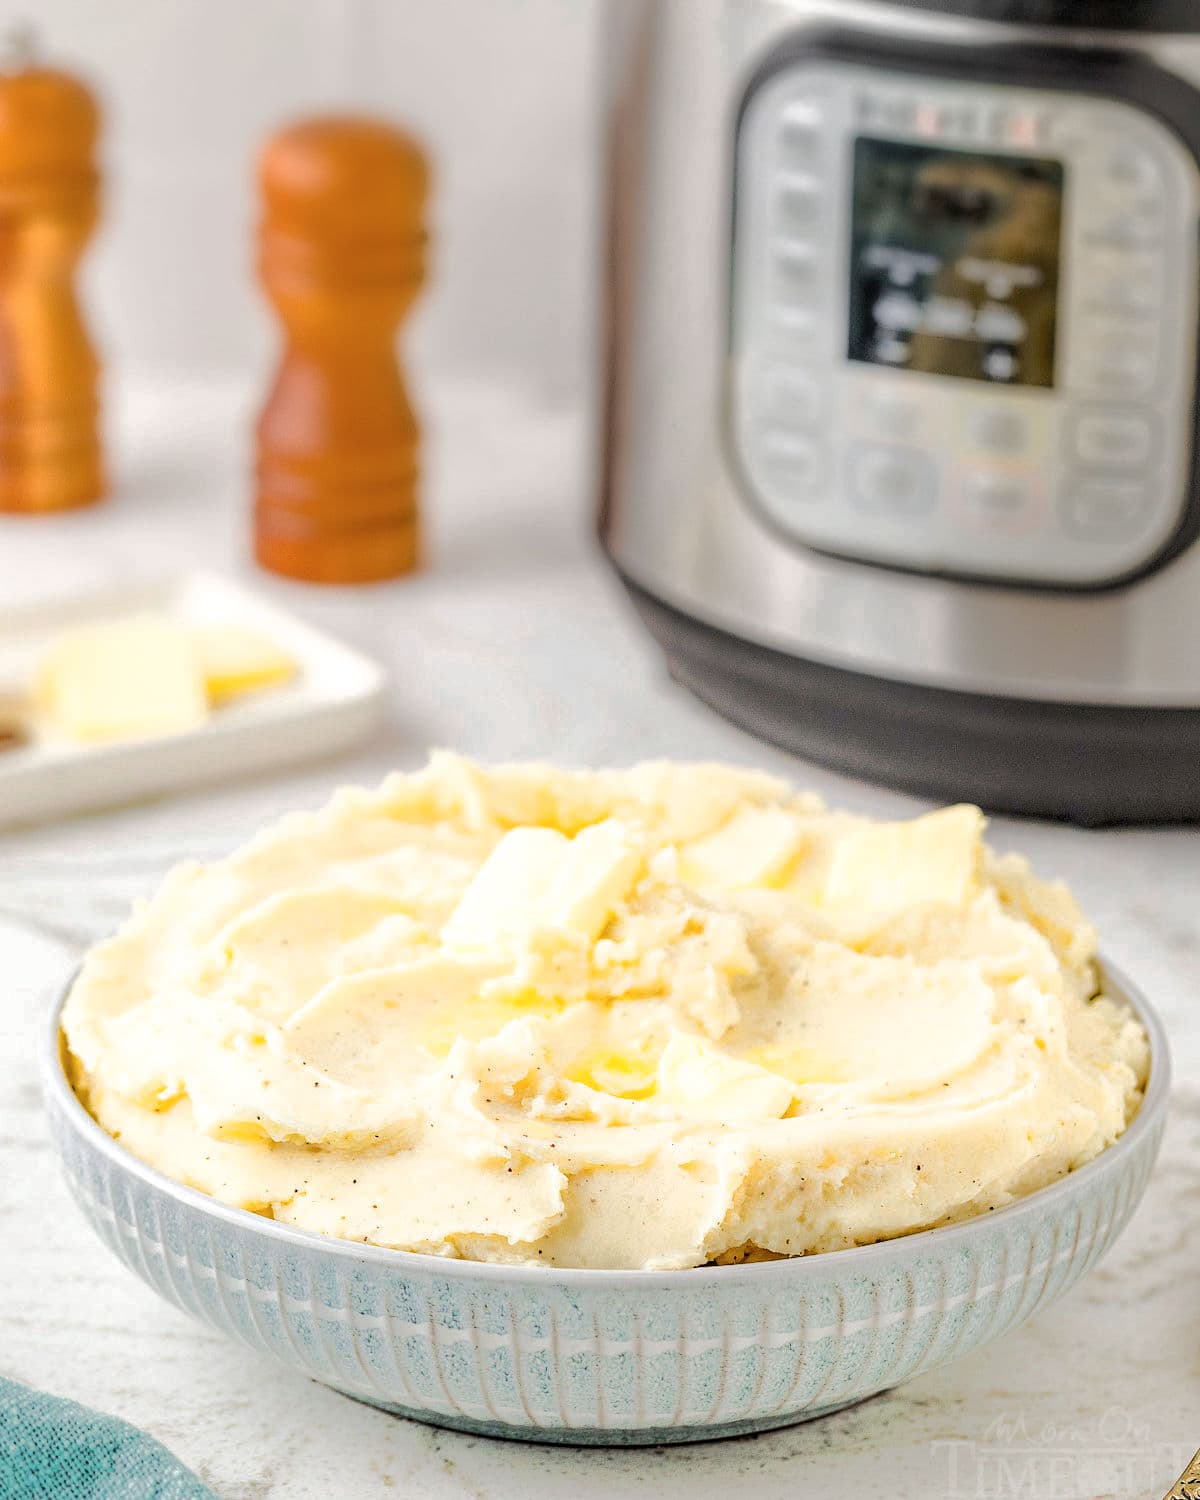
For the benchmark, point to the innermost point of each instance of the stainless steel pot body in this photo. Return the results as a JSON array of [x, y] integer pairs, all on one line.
[[686, 519]]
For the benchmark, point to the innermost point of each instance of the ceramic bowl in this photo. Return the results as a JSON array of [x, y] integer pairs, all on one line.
[[618, 1357]]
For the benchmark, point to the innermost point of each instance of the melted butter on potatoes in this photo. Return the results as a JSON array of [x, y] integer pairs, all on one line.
[[646, 1018]]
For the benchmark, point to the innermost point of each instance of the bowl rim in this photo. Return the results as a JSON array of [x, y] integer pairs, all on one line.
[[56, 1086]]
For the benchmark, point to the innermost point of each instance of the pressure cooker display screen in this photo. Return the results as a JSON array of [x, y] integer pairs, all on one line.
[[955, 262]]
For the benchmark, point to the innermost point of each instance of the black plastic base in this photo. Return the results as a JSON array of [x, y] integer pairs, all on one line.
[[1080, 762], [1079, 15]]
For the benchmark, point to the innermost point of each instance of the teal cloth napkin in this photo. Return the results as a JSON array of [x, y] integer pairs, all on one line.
[[51, 1449]]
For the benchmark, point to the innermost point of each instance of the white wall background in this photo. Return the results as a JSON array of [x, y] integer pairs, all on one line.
[[501, 91]]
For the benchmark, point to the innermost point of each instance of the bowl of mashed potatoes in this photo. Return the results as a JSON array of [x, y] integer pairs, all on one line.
[[607, 1106]]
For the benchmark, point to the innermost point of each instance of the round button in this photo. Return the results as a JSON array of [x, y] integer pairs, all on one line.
[[1113, 438], [903, 480]]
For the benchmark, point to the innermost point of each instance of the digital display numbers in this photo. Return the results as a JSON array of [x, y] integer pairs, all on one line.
[[955, 262]]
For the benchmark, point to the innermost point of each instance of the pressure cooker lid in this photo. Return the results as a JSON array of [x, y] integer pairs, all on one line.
[[1092, 15]]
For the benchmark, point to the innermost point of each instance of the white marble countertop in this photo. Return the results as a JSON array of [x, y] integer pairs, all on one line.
[[517, 642]]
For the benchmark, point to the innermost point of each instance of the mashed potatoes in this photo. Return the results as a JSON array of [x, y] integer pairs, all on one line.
[[646, 1018]]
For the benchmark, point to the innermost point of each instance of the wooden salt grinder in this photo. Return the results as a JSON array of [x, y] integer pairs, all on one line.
[[50, 451], [342, 256]]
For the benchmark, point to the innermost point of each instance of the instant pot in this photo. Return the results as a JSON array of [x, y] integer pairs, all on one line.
[[901, 440]]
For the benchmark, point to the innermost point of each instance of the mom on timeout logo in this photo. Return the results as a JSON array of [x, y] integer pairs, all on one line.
[[1020, 1457]]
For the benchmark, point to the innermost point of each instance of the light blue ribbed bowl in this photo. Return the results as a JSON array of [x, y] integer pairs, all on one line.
[[621, 1357]]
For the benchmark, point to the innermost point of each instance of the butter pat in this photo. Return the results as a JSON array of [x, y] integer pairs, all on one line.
[[701, 1082], [536, 879], [123, 680], [755, 848], [233, 660], [598, 869], [150, 675], [499, 903], [886, 868]]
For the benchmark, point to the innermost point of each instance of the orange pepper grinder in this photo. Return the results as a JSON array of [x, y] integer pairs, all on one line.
[[342, 251], [50, 450]]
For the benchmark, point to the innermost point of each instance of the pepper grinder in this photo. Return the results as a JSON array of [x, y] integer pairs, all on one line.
[[342, 249], [50, 450]]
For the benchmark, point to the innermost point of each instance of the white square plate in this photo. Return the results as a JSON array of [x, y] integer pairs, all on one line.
[[333, 702]]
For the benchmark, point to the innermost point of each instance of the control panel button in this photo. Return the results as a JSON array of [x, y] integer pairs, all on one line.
[[1113, 438], [793, 463], [796, 322], [796, 268], [995, 497], [1104, 509], [903, 480], [798, 206], [999, 429], [801, 132], [1129, 370], [1131, 231], [1119, 357], [1124, 282], [787, 397], [798, 256]]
